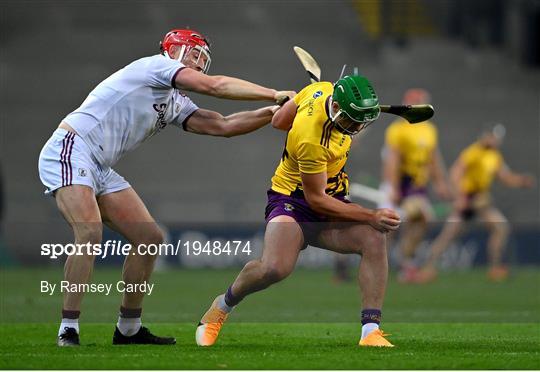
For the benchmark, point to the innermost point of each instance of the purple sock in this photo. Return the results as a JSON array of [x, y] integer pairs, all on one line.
[[130, 313], [230, 299], [371, 316], [70, 314]]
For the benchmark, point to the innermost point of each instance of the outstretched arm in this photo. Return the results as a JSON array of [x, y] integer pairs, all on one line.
[[214, 124], [226, 87], [513, 179]]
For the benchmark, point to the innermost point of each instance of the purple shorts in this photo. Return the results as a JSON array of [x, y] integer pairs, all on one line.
[[297, 207], [407, 188], [469, 212]]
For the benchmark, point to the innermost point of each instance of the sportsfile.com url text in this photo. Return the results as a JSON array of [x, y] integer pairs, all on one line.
[[117, 248]]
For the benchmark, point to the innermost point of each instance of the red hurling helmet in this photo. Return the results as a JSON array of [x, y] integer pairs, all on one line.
[[187, 40], [416, 96]]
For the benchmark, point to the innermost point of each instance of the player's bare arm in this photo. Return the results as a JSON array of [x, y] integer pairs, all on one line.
[[438, 172], [283, 119], [197, 58], [314, 186], [226, 87], [391, 172], [456, 174], [513, 179], [214, 124]]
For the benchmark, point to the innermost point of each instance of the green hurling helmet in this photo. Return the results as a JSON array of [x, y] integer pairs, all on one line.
[[358, 103]]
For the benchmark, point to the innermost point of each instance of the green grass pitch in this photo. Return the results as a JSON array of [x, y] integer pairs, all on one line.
[[307, 322]]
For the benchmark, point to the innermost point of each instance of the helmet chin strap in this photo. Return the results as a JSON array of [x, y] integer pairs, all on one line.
[[331, 110], [343, 130], [334, 117]]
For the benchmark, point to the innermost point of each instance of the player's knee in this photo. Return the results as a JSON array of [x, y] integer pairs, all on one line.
[[374, 244], [88, 232], [422, 224], [155, 235], [151, 234], [376, 239], [502, 228], [83, 258]]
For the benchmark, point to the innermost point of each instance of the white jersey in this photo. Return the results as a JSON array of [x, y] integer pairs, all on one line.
[[130, 106]]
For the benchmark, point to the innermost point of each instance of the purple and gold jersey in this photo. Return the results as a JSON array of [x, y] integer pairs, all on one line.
[[415, 145], [313, 145]]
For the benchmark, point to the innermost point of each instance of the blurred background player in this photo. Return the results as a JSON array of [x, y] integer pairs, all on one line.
[[472, 175], [123, 111], [307, 204], [411, 159], [341, 272]]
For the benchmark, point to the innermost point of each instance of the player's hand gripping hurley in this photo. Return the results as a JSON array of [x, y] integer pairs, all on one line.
[[412, 113]]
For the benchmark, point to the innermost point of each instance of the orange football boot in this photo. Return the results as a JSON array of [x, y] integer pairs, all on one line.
[[407, 274], [210, 325], [376, 338], [498, 273], [426, 275]]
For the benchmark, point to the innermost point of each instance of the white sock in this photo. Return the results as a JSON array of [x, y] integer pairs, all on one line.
[[223, 305], [128, 326], [368, 328], [68, 323]]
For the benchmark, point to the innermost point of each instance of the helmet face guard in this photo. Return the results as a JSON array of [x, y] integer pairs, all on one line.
[[359, 105], [495, 132], [499, 131], [348, 125], [189, 41], [202, 53]]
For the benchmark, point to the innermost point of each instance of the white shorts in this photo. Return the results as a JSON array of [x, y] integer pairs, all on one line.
[[66, 160]]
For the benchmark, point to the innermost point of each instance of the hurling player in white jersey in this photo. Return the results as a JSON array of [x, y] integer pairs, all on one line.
[[124, 110]]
